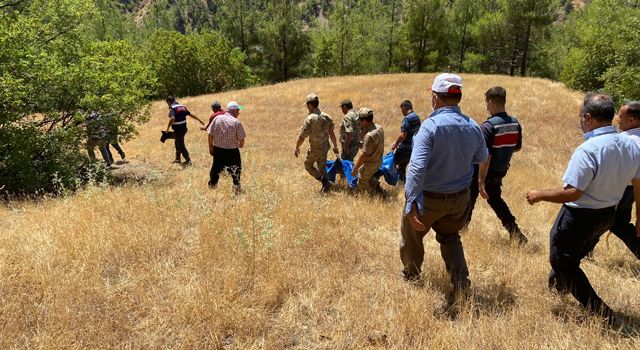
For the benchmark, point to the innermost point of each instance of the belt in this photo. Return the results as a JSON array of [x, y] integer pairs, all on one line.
[[180, 123], [434, 195], [607, 210]]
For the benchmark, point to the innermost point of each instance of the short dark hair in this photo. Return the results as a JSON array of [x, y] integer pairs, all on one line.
[[171, 98], [406, 104], [449, 97], [633, 108], [315, 103], [368, 118], [600, 106], [497, 94]]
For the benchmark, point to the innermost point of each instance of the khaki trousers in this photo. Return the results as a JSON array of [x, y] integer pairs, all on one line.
[[349, 153], [368, 182], [446, 215], [316, 162]]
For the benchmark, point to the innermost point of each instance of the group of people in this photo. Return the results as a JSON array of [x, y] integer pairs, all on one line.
[[449, 160], [226, 136], [102, 133], [453, 159]]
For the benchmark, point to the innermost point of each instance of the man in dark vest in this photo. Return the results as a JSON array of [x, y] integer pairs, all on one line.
[[503, 135], [178, 122]]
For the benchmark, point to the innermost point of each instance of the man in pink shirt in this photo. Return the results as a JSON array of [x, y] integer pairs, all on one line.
[[226, 137]]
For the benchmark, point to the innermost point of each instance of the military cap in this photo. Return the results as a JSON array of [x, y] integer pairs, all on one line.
[[311, 98], [346, 103], [364, 112]]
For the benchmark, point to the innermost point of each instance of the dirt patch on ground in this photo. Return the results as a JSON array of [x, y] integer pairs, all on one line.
[[131, 172]]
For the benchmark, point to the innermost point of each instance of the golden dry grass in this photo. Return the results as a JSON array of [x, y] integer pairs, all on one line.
[[176, 265]]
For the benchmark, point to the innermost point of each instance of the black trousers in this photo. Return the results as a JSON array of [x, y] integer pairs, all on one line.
[[493, 186], [181, 148], [622, 226], [574, 234], [225, 159], [401, 160]]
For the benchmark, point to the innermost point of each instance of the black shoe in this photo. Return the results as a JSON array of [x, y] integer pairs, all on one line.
[[187, 163], [177, 161], [515, 234], [326, 185]]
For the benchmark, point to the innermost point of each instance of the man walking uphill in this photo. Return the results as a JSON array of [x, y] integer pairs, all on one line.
[[349, 131], [503, 135], [226, 137], [598, 173], [404, 144], [178, 122], [318, 126], [629, 117], [370, 158], [438, 179]]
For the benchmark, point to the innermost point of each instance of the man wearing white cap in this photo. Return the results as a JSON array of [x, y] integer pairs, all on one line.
[[438, 179], [226, 137]]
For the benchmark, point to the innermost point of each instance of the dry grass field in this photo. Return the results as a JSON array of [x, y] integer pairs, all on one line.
[[173, 264]]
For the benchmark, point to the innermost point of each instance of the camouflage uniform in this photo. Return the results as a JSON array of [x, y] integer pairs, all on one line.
[[350, 125], [372, 151], [317, 126]]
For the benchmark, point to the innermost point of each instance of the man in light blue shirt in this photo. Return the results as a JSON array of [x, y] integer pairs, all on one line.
[[623, 228], [438, 178], [595, 179]]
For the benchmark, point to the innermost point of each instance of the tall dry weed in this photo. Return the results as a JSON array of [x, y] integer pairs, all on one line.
[[176, 265]]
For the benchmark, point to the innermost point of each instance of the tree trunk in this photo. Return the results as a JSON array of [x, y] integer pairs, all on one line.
[[393, 20], [464, 38], [242, 41], [525, 51], [514, 57]]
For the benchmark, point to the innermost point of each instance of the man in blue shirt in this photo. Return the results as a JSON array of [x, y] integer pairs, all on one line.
[[404, 144], [503, 135], [595, 180], [629, 124], [438, 178]]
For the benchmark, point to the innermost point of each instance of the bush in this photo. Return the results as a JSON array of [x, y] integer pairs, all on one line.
[[194, 64], [34, 163]]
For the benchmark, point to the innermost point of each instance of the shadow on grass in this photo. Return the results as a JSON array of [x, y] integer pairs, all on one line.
[[495, 299], [568, 310], [477, 302]]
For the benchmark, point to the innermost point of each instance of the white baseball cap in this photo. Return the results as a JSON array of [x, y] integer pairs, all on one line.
[[234, 105], [444, 82]]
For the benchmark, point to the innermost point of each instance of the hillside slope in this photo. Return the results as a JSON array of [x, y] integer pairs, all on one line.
[[176, 265]]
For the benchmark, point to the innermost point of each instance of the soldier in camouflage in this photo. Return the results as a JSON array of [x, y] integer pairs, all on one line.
[[318, 127], [370, 158], [349, 131]]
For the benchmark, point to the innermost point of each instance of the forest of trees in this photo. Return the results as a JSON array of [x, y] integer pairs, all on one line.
[[61, 60]]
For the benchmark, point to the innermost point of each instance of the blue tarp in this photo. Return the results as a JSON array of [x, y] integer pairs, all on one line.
[[344, 167]]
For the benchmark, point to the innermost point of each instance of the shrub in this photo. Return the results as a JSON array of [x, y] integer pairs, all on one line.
[[36, 163]]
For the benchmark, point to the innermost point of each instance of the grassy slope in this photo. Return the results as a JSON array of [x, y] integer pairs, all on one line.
[[177, 265]]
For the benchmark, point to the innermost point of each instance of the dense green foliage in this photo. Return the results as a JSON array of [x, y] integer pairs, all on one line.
[[605, 53], [61, 60], [53, 74]]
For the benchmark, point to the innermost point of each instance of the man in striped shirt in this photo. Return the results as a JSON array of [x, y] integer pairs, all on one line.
[[629, 118], [226, 137], [503, 136]]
